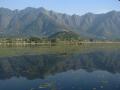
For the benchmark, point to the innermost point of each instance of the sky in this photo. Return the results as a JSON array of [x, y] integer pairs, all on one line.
[[79, 7]]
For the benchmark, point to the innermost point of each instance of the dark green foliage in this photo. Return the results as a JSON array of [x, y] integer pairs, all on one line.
[[53, 40], [34, 39], [65, 36]]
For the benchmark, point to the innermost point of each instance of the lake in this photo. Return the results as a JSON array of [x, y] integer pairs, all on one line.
[[69, 69]]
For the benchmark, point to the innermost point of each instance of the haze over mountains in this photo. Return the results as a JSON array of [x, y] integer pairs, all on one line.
[[32, 22]]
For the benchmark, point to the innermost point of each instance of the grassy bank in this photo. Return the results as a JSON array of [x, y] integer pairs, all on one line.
[[59, 48]]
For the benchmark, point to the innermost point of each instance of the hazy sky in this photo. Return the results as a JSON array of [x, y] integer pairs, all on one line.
[[65, 6]]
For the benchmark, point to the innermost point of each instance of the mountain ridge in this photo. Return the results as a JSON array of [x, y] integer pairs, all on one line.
[[40, 22]]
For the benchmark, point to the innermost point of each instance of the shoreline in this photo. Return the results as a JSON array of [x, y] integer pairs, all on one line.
[[63, 42]]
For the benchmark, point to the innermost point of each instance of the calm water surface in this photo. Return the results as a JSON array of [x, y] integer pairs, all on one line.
[[95, 70]]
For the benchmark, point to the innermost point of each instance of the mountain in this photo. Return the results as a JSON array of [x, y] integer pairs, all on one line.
[[65, 35], [39, 22]]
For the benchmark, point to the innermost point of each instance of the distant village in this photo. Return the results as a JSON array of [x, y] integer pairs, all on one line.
[[45, 41]]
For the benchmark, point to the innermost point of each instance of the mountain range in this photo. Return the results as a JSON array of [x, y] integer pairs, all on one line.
[[39, 22]]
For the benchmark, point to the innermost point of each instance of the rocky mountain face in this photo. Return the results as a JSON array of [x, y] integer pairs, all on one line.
[[43, 23]]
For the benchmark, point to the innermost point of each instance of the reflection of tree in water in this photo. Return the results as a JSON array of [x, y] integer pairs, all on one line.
[[39, 66]]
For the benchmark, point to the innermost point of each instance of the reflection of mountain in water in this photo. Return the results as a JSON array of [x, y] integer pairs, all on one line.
[[39, 66]]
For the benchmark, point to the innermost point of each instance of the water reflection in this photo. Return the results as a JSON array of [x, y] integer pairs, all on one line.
[[97, 70]]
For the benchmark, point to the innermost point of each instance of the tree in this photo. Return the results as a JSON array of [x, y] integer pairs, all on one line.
[[34, 39]]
